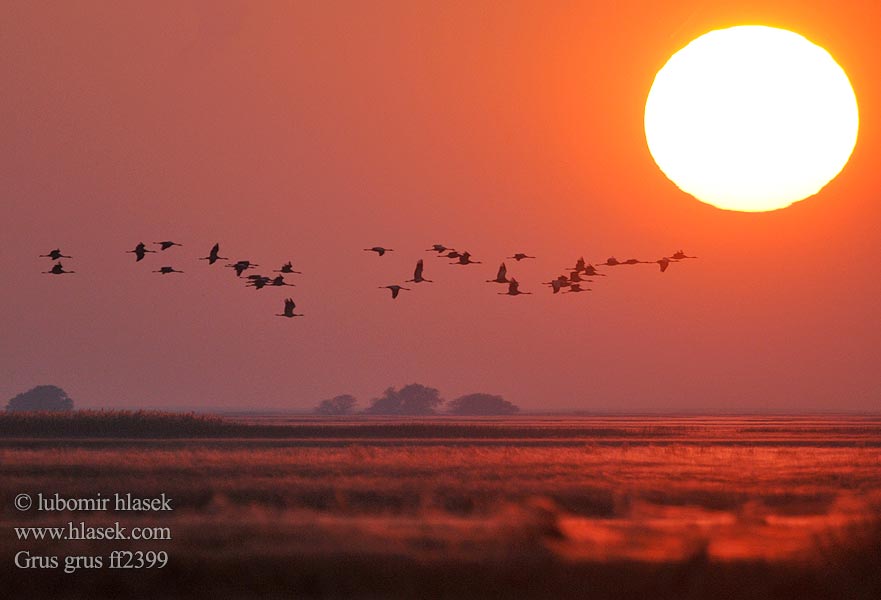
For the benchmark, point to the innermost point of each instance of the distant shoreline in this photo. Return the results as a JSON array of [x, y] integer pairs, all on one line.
[[741, 429]]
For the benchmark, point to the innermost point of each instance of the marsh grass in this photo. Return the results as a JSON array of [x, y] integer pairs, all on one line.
[[639, 514]]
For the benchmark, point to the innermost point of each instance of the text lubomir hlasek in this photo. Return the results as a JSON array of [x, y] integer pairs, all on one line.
[[116, 502]]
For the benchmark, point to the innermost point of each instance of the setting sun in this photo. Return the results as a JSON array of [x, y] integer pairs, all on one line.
[[751, 118]]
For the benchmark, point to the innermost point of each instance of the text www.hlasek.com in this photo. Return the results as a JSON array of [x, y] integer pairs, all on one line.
[[81, 531]]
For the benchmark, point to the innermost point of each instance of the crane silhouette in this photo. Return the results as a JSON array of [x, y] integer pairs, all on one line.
[[679, 255], [465, 259], [563, 280], [258, 282], [287, 268], [576, 287], [140, 251], [439, 248], [57, 269], [279, 282], [664, 262], [242, 266], [558, 284], [501, 276], [519, 256], [167, 270], [513, 289], [591, 271], [451, 254], [396, 289], [166, 245], [55, 255], [417, 274], [289, 307], [214, 255], [379, 250]]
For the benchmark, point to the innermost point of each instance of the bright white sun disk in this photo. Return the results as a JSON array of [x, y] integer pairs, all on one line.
[[751, 118]]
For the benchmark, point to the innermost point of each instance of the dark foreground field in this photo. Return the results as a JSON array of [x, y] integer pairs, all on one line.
[[593, 507]]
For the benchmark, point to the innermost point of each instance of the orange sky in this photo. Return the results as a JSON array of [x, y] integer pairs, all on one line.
[[308, 131]]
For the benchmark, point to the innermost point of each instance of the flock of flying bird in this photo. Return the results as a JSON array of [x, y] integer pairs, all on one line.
[[570, 283]]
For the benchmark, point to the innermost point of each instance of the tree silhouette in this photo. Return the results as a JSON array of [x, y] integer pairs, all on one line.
[[412, 399], [481, 404], [338, 405], [41, 398]]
